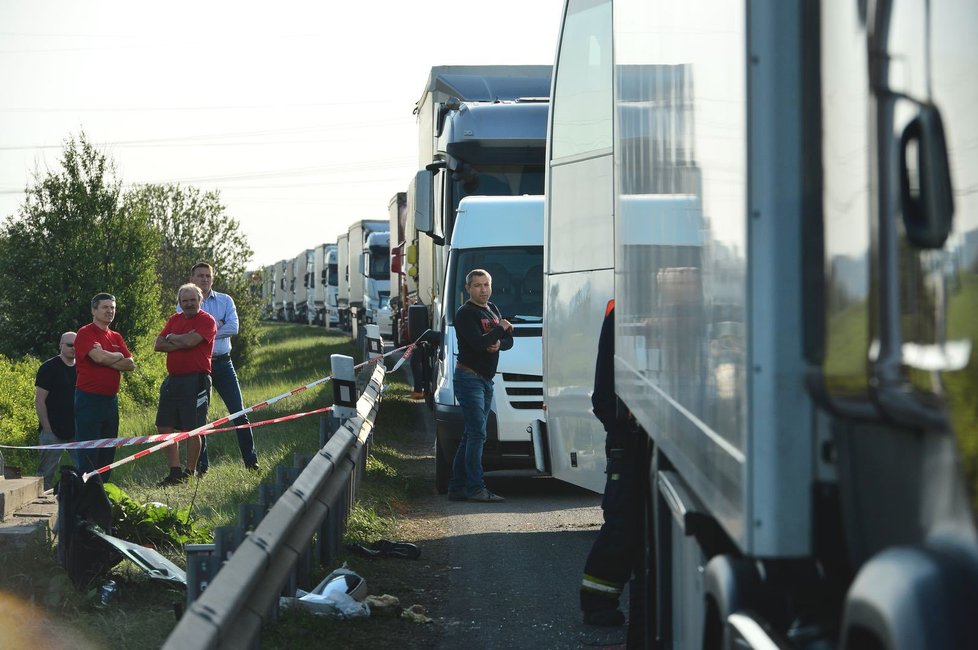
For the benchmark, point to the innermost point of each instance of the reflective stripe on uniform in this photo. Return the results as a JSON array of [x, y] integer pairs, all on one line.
[[590, 583]]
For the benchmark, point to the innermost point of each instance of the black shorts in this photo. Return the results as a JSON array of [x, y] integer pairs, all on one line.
[[184, 400]]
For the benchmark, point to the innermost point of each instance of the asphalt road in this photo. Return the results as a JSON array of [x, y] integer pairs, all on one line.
[[508, 573], [515, 568]]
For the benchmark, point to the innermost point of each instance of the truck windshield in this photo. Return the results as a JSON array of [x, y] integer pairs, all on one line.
[[517, 280], [332, 278], [380, 263], [496, 180]]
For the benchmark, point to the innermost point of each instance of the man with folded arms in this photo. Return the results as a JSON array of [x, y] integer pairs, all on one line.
[[188, 341]]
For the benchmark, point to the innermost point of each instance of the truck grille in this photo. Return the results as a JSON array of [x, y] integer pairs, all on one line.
[[524, 392]]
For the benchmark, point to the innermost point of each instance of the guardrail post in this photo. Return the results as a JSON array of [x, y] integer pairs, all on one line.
[[201, 569], [375, 346], [344, 386]]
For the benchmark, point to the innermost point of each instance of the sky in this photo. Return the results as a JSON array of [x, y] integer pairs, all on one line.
[[298, 112]]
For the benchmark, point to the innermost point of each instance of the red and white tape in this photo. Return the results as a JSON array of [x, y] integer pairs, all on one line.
[[199, 431], [105, 443]]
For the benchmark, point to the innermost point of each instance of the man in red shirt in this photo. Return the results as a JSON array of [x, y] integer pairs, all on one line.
[[188, 340], [100, 357]]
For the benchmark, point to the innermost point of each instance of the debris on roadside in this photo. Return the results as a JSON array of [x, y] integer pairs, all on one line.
[[416, 614], [387, 548], [338, 596], [385, 605]]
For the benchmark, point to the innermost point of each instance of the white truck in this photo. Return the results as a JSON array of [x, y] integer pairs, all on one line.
[[317, 273], [283, 289], [779, 196], [404, 283], [268, 292], [511, 250], [357, 235], [330, 285], [300, 283], [482, 132], [343, 281], [376, 272]]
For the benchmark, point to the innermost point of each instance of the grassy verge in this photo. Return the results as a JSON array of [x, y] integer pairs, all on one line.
[[38, 601]]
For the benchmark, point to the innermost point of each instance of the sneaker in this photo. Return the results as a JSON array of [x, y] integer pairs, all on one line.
[[457, 496], [254, 468], [416, 395], [485, 496], [604, 618]]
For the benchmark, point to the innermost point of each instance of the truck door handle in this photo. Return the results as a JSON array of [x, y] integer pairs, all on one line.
[[925, 180]]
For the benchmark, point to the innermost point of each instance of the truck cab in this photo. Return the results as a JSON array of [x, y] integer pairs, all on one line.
[[343, 281], [330, 280], [482, 132], [300, 286], [376, 259]]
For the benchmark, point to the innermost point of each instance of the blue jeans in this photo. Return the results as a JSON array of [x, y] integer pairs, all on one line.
[[225, 382], [96, 417], [474, 395]]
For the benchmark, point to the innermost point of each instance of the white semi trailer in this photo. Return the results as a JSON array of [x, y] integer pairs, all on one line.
[[283, 289], [343, 281], [301, 289], [779, 196]]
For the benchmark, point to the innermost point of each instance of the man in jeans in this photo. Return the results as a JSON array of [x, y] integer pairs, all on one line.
[[224, 378], [482, 333], [54, 401], [101, 356]]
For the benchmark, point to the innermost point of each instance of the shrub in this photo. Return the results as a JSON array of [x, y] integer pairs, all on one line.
[[18, 420]]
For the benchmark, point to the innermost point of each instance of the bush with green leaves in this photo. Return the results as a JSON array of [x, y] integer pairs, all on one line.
[[152, 524], [18, 419]]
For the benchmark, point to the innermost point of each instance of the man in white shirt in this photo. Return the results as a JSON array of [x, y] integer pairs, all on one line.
[[224, 378]]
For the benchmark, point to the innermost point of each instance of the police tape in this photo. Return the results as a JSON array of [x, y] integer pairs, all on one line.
[[106, 443], [199, 431]]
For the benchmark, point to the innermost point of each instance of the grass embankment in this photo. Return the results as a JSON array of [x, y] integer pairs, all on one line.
[[37, 600]]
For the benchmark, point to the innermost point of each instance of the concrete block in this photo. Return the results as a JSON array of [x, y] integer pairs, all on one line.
[[17, 492]]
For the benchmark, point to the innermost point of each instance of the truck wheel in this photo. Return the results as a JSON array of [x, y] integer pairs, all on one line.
[[443, 469]]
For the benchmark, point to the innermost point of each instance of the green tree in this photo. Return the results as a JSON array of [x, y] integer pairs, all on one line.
[[73, 238], [194, 227]]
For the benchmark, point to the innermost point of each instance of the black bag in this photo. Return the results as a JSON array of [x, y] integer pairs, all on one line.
[[81, 505]]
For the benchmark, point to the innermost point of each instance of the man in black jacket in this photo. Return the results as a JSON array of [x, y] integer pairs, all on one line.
[[482, 333]]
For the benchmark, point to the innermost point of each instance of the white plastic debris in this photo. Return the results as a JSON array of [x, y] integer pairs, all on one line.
[[338, 596]]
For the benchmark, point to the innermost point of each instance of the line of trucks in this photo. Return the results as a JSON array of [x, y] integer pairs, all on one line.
[[779, 196]]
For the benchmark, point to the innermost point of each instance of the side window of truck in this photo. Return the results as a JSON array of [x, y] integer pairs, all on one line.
[[582, 98]]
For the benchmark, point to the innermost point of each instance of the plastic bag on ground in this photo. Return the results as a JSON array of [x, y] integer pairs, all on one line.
[[337, 596]]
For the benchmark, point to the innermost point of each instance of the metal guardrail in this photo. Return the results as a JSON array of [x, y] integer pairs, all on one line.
[[310, 513]]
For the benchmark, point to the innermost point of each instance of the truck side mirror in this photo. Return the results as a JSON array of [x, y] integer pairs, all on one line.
[[925, 181], [418, 325], [424, 208]]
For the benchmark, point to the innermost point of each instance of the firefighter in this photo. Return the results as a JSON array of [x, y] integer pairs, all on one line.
[[611, 562]]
